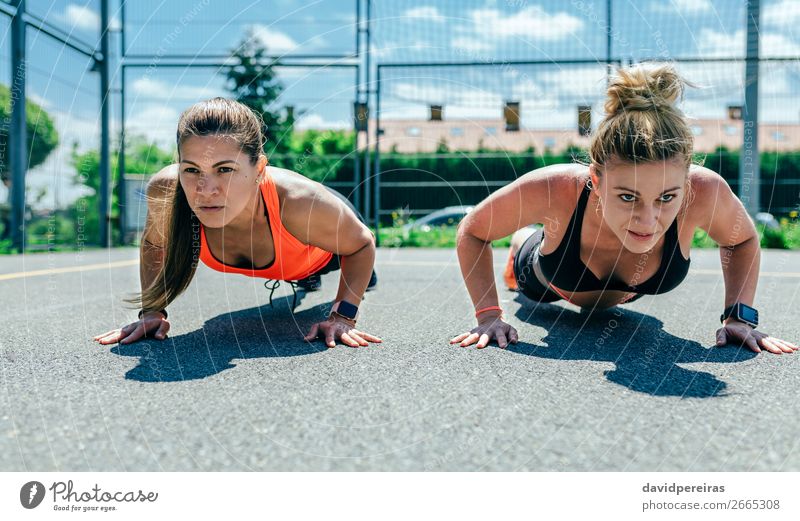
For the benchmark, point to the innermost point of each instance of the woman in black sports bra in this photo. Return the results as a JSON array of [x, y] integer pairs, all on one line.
[[613, 230]]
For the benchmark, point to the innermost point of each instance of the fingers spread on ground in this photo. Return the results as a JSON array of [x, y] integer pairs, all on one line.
[[770, 346], [501, 340], [368, 337], [135, 335], [459, 338], [348, 340], [110, 339], [102, 335], [470, 339], [313, 333], [483, 341], [751, 343], [355, 336], [162, 330], [786, 343]]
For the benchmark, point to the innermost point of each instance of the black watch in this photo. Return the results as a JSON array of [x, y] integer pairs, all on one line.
[[742, 313], [162, 311], [345, 309]]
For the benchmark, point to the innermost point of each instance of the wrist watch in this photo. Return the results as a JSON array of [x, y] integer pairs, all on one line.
[[162, 311], [742, 313], [345, 309]]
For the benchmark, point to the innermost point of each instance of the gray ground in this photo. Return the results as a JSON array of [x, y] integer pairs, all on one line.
[[236, 388]]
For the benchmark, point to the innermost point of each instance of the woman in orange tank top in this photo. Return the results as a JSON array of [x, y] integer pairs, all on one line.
[[223, 206]]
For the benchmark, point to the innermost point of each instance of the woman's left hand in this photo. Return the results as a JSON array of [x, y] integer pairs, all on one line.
[[340, 329], [739, 333]]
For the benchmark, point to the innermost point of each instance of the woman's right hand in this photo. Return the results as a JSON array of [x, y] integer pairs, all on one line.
[[152, 325], [491, 327]]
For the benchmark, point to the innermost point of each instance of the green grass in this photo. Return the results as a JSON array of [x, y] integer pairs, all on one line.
[[788, 237], [443, 237]]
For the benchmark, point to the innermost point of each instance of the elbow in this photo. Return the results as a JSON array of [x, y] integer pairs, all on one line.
[[365, 244], [160, 183], [466, 234]]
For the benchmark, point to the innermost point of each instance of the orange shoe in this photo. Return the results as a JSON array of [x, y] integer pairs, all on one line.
[[508, 274]]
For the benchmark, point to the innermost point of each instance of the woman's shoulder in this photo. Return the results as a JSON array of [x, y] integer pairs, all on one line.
[[298, 195], [292, 186], [704, 185], [562, 182]]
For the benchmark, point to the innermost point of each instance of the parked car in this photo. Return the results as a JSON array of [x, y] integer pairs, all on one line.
[[768, 220], [449, 217]]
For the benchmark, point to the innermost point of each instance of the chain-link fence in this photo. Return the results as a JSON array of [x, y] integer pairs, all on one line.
[[471, 95]]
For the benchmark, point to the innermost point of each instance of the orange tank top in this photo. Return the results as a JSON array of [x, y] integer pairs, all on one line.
[[293, 259]]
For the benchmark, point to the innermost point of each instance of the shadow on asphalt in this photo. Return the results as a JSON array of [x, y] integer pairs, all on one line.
[[645, 355], [261, 332]]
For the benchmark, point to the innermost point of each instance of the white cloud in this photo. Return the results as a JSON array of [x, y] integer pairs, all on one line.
[[777, 44], [712, 43], [580, 83], [160, 90], [683, 7], [85, 18], [315, 121], [155, 121], [425, 12], [488, 27], [783, 13], [530, 22], [275, 41]]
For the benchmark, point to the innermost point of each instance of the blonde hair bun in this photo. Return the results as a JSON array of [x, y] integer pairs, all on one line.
[[642, 121], [647, 86]]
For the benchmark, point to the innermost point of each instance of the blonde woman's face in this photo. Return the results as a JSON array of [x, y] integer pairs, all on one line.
[[218, 179], [639, 202]]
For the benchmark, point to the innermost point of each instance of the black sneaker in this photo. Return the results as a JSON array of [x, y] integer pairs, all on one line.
[[311, 283], [373, 281]]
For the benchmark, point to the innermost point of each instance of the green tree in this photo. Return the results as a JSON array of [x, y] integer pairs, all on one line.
[[321, 155], [141, 157], [42, 135], [255, 83]]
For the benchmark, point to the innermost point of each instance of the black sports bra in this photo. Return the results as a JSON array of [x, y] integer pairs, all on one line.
[[564, 269]]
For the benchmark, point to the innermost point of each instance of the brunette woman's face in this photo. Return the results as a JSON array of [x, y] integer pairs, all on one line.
[[639, 202], [218, 179]]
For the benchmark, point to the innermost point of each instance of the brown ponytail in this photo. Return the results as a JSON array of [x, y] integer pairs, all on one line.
[[217, 116]]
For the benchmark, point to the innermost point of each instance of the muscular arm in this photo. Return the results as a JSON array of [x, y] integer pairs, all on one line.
[[317, 217], [526, 201], [727, 223]]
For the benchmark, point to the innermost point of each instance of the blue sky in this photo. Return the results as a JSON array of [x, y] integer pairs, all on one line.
[[403, 31]]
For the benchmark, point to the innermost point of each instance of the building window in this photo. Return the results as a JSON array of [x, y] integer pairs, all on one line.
[[413, 131], [549, 142], [731, 130], [697, 130], [491, 131], [456, 131], [778, 135]]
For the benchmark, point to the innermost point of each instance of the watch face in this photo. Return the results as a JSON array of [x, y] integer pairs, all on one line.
[[347, 309], [748, 314]]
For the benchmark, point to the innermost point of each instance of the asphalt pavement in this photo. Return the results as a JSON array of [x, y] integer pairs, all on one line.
[[640, 387]]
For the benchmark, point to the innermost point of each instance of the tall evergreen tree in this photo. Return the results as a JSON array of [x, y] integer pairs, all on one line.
[[252, 80]]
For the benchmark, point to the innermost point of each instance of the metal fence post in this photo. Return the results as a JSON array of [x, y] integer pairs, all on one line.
[[18, 155], [105, 166], [749, 166]]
